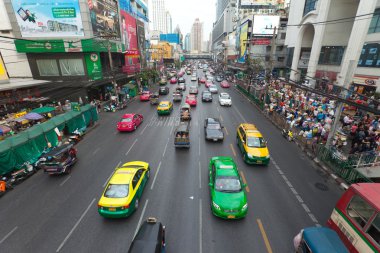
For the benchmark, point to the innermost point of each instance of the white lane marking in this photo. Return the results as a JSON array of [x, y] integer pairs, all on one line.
[[142, 132], [64, 181], [199, 146], [117, 166], [200, 175], [155, 176], [172, 129], [166, 146], [141, 216], [75, 226], [96, 151], [241, 116], [129, 150], [9, 234], [295, 193], [200, 225], [217, 108]]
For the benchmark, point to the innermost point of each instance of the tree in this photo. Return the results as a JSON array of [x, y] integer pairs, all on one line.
[[146, 75], [253, 67]]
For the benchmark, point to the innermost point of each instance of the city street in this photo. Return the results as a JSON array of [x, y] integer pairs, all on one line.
[[59, 213]]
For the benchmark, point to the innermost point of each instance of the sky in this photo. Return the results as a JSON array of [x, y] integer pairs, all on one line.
[[184, 12]]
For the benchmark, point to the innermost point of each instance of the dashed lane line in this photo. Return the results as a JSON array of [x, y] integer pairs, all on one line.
[[244, 181], [141, 216], [8, 235], [225, 129], [200, 226], [142, 132], [155, 176], [96, 151], [200, 174], [233, 149], [166, 146], [64, 181], [129, 150], [264, 235]]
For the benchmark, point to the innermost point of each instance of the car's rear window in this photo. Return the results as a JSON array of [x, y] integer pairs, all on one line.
[[117, 191], [213, 126], [126, 120]]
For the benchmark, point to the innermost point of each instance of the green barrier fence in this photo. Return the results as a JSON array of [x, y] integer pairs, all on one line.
[[251, 97]]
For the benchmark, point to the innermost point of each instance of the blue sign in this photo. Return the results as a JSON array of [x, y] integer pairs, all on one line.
[[170, 37]]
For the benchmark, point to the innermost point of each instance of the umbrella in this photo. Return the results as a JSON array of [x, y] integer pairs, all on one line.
[[33, 116], [44, 109], [4, 129]]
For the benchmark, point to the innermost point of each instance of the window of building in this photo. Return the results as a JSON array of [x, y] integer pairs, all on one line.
[[279, 48], [269, 48], [331, 55], [290, 57], [374, 27], [360, 211], [309, 6], [282, 36], [47, 67], [281, 59], [71, 67], [370, 56]]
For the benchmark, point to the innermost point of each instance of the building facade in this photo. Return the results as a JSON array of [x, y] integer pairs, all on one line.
[[342, 53], [187, 44], [169, 22], [159, 16], [197, 36]]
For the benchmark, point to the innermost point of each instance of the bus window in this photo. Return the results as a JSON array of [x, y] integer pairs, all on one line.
[[374, 229], [360, 210]]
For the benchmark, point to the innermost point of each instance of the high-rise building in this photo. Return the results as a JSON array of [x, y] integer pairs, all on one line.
[[196, 35], [159, 16], [187, 42], [169, 22], [220, 6]]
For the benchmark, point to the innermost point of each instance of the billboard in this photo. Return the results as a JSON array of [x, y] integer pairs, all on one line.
[[141, 39], [3, 71], [243, 41], [128, 31], [170, 37], [46, 18], [104, 16], [264, 25], [257, 2]]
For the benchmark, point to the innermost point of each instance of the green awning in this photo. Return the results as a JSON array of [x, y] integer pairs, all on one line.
[[34, 131], [5, 145], [47, 126], [44, 109], [58, 120], [85, 107], [18, 139]]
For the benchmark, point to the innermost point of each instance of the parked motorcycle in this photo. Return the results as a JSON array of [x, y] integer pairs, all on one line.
[[110, 108], [20, 175], [76, 136], [288, 134]]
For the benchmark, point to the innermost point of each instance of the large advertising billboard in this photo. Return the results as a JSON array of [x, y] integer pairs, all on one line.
[[264, 25], [257, 2], [243, 39], [104, 16], [141, 39], [170, 37], [47, 18]]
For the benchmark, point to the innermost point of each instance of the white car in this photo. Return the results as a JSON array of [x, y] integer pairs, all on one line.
[[193, 78], [225, 99], [213, 89]]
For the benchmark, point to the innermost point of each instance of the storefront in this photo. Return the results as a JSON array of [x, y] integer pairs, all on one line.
[[365, 85]]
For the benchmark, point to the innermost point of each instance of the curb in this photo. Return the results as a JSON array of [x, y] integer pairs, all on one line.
[[342, 184]]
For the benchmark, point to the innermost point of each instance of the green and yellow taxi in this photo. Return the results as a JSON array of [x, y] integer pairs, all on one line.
[[121, 196], [164, 108], [252, 144], [228, 198]]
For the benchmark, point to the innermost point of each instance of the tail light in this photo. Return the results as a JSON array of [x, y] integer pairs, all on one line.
[[124, 207], [100, 207]]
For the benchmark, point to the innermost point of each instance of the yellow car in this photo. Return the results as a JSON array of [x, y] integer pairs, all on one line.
[[123, 191], [252, 144], [165, 108]]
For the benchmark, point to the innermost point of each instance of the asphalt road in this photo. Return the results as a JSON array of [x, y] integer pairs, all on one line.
[[59, 214]]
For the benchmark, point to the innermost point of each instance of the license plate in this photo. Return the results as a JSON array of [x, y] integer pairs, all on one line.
[[231, 216], [215, 139], [259, 161], [111, 209]]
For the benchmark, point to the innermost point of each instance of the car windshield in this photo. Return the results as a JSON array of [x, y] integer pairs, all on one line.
[[227, 184], [212, 87], [126, 120], [256, 142], [225, 96], [117, 191], [163, 105], [214, 126]]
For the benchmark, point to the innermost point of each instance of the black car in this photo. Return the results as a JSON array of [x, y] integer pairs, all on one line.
[[213, 130], [163, 91], [206, 96], [181, 80], [150, 238]]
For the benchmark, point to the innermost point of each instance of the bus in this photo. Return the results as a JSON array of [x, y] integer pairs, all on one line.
[[356, 218]]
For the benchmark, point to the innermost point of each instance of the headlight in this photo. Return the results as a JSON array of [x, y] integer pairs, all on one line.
[[267, 157], [216, 205], [249, 156], [245, 206]]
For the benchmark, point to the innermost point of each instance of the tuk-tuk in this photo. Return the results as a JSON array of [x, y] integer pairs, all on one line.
[[150, 238], [185, 112], [59, 160], [177, 96], [182, 135], [318, 240], [154, 99]]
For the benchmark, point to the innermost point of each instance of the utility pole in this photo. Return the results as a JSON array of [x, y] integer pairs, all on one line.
[[272, 50], [112, 72]]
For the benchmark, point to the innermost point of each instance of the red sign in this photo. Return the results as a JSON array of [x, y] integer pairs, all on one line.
[[262, 41], [131, 52]]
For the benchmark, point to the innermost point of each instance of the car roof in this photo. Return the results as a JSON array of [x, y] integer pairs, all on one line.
[[128, 115], [148, 238], [164, 103], [322, 240], [225, 166], [122, 175], [224, 94], [213, 120]]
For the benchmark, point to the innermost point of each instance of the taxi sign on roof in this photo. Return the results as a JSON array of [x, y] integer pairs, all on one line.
[[124, 172], [226, 167]]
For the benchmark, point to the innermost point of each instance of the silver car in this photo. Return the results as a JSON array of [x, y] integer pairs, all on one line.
[[213, 89]]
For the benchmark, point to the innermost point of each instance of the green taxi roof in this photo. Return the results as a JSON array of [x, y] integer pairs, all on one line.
[[225, 166]]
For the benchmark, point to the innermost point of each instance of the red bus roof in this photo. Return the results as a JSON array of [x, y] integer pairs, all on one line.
[[370, 191]]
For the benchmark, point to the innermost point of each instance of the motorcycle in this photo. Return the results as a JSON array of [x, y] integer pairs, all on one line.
[[76, 136], [20, 175], [110, 108], [288, 134], [5, 185]]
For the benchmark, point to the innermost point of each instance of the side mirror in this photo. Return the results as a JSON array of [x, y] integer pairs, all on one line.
[[222, 126], [244, 185]]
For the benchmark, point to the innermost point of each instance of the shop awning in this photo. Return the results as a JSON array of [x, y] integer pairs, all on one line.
[[44, 109]]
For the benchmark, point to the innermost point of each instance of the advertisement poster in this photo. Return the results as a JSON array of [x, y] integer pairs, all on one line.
[[3, 72], [46, 18], [129, 37], [94, 66], [243, 42], [264, 25], [141, 38], [104, 16]]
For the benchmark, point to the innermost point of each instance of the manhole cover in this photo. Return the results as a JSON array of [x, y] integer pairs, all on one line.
[[321, 186]]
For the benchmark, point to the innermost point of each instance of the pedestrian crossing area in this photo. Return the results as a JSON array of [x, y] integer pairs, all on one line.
[[162, 121]]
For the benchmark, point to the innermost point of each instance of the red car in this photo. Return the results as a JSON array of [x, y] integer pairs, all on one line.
[[191, 100], [224, 84], [145, 96], [173, 80], [203, 80], [208, 84], [129, 122]]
